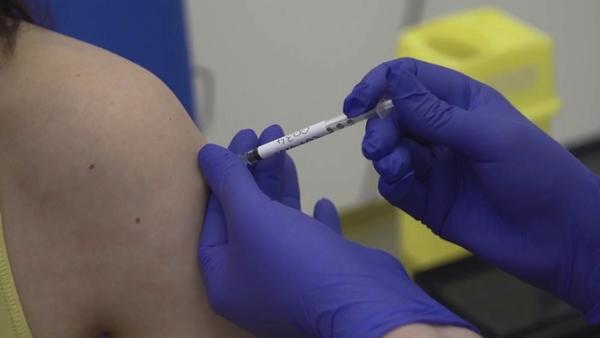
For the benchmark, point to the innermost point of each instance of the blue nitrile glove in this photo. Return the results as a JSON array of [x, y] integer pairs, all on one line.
[[458, 156], [278, 272]]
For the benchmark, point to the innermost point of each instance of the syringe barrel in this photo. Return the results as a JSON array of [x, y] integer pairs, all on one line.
[[313, 132], [293, 139]]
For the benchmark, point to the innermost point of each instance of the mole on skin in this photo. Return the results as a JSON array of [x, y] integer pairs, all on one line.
[[92, 166], [138, 220]]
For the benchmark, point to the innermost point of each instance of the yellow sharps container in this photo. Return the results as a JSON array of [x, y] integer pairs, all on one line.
[[499, 50]]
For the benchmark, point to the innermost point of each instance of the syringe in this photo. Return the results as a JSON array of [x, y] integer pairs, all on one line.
[[313, 132]]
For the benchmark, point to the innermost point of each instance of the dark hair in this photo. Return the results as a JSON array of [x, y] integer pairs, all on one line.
[[12, 12]]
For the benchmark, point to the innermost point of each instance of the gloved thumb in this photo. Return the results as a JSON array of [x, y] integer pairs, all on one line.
[[228, 178], [430, 118], [326, 212]]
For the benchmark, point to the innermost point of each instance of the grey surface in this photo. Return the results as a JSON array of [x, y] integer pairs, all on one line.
[[292, 62]]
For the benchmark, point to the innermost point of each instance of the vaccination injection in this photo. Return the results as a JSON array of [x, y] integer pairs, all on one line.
[[313, 132]]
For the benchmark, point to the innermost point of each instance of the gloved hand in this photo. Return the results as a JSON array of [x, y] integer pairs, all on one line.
[[280, 273], [458, 156]]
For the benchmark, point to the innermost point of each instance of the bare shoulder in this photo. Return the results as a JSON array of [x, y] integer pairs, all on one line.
[[53, 75], [101, 200]]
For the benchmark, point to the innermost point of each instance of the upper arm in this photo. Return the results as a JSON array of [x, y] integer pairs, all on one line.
[[103, 204]]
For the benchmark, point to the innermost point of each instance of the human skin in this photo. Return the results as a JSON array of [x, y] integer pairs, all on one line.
[[431, 331], [101, 200]]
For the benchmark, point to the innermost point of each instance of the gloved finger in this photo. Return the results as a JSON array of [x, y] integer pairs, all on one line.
[[230, 181], [326, 212], [394, 165], [213, 239], [407, 193], [429, 118], [381, 137], [420, 158], [442, 187], [269, 172], [243, 141], [367, 93], [214, 230], [446, 84], [290, 189]]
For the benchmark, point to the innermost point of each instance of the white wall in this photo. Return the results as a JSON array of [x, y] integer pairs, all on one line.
[[293, 62]]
